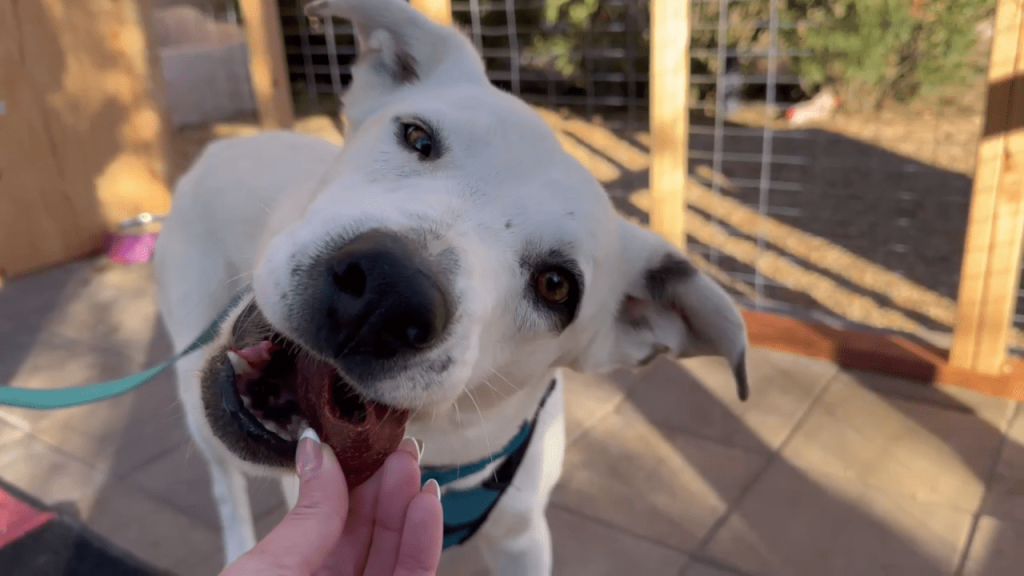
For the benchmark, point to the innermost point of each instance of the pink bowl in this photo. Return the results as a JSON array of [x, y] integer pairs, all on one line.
[[130, 248]]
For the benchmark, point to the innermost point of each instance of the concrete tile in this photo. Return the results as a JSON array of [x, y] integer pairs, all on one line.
[[903, 447], [10, 433], [200, 565], [148, 528], [146, 439], [583, 547], [997, 549], [589, 397], [990, 408], [465, 560], [702, 569], [27, 302], [49, 474], [797, 524], [112, 306], [57, 361], [1005, 497], [180, 479], [107, 436], [686, 482], [698, 396]]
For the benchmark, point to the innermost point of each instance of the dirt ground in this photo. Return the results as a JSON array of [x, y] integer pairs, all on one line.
[[864, 220]]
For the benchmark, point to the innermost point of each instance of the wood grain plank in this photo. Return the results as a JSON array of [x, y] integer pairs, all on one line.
[[439, 11], [669, 117], [268, 71], [992, 248], [878, 352]]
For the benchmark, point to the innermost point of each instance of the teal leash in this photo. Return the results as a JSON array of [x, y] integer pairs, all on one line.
[[53, 398]]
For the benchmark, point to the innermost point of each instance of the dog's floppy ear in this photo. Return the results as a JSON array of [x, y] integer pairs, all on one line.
[[398, 47], [668, 307]]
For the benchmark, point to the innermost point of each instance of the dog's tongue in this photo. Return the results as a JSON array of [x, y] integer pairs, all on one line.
[[361, 433]]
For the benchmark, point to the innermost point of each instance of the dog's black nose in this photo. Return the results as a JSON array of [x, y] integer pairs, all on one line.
[[380, 299]]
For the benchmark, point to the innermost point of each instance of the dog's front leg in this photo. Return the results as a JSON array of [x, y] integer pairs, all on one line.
[[515, 540], [520, 547], [231, 495], [230, 491], [230, 487]]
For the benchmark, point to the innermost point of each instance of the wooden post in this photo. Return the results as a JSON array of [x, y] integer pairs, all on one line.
[[670, 115], [439, 11], [267, 68], [992, 250]]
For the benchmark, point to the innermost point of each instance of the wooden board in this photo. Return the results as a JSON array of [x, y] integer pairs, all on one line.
[[992, 250], [670, 88], [876, 352], [82, 140], [439, 11], [267, 68]]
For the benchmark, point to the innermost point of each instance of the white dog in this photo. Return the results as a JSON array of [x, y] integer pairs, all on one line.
[[448, 260]]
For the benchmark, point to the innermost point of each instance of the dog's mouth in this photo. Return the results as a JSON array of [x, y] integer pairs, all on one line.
[[273, 389]]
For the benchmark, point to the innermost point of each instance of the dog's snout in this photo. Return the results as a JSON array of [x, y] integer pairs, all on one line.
[[381, 299]]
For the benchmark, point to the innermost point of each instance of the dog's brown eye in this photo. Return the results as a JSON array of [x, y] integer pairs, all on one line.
[[419, 140], [553, 287]]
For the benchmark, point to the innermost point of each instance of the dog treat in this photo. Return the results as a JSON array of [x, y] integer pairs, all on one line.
[[362, 433]]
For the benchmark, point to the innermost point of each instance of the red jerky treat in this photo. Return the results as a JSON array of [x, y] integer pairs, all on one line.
[[361, 432]]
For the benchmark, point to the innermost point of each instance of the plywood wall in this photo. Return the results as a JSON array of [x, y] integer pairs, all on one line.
[[82, 137]]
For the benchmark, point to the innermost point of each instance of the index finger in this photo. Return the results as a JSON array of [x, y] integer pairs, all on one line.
[[307, 534]]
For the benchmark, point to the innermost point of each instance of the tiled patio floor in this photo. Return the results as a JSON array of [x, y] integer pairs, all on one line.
[[822, 472]]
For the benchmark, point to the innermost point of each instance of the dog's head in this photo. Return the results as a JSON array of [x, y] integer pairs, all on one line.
[[453, 238]]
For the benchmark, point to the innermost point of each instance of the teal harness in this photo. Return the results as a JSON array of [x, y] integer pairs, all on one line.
[[466, 510]]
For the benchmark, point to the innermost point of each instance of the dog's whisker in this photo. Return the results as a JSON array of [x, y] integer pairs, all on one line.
[[487, 439], [494, 389], [498, 374], [240, 276]]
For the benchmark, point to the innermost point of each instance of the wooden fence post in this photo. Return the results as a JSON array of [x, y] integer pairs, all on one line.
[[439, 11], [990, 272], [670, 115], [267, 68]]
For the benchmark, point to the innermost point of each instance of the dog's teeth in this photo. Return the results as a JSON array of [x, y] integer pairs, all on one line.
[[273, 427], [296, 426], [246, 402], [239, 365]]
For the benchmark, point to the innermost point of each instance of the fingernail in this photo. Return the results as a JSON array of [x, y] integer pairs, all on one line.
[[310, 454], [412, 446], [432, 487]]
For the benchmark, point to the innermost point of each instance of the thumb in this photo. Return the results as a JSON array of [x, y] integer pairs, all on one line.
[[310, 530]]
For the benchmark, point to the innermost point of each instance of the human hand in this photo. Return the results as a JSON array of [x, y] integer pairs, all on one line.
[[386, 527]]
